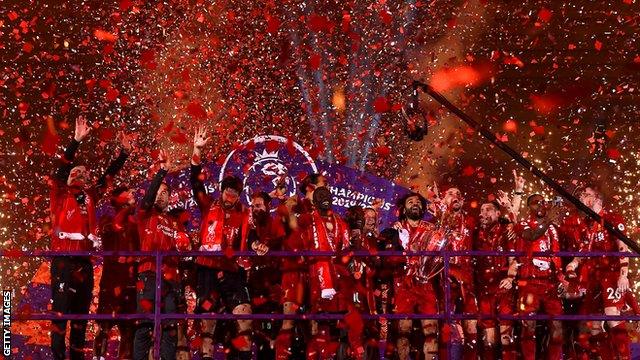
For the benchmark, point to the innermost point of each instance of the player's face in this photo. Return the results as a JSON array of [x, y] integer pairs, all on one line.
[[538, 206], [257, 204], [78, 177], [590, 198], [488, 214], [230, 198], [322, 198], [453, 199], [162, 197], [413, 208], [259, 209], [370, 220], [355, 218]]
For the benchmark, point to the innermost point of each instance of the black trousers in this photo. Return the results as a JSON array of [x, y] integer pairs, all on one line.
[[143, 339], [71, 287]]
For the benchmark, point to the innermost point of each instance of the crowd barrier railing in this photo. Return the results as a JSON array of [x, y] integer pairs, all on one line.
[[447, 315]]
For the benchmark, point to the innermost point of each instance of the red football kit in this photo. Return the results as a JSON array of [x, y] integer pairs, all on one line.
[[414, 292], [490, 271], [538, 283], [325, 233]]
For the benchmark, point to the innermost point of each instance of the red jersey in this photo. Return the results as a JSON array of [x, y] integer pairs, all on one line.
[[226, 230], [422, 237], [156, 232], [589, 235], [294, 240], [120, 231], [73, 210], [540, 267], [491, 269], [325, 233], [73, 217]]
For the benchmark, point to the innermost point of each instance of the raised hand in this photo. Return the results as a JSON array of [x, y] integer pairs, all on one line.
[[164, 159], [518, 182], [82, 129], [503, 199], [200, 138], [125, 141]]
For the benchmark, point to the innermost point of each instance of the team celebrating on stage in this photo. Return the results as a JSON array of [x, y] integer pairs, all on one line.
[[489, 289]]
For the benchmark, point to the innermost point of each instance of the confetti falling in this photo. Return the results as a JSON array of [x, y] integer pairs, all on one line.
[[555, 80]]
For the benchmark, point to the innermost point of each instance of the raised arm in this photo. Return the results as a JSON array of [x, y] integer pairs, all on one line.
[[115, 164], [200, 139], [518, 191], [150, 195], [82, 129]]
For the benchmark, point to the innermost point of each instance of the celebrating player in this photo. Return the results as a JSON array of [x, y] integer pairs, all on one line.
[[414, 291], [540, 276], [75, 228], [221, 283], [607, 282]]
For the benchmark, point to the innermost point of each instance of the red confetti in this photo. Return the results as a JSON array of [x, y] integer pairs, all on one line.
[[597, 45], [382, 151], [510, 126], [27, 47], [314, 61], [513, 60], [180, 138], [12, 253], [545, 14], [613, 154], [271, 146], [240, 342], [468, 170], [125, 5], [319, 23], [450, 78], [273, 25], [381, 104], [105, 35], [386, 17], [196, 110], [112, 94], [147, 60]]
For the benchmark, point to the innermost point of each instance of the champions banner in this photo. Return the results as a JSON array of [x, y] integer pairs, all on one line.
[[268, 161]]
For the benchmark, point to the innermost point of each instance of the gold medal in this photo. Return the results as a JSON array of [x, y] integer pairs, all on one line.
[[329, 226]]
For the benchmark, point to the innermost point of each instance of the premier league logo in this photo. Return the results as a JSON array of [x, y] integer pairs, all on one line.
[[269, 163]]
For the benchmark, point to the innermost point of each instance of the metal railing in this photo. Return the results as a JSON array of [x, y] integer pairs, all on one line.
[[447, 316]]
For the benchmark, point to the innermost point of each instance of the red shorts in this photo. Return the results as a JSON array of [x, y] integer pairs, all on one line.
[[413, 297], [602, 292], [539, 295], [293, 286], [493, 300]]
